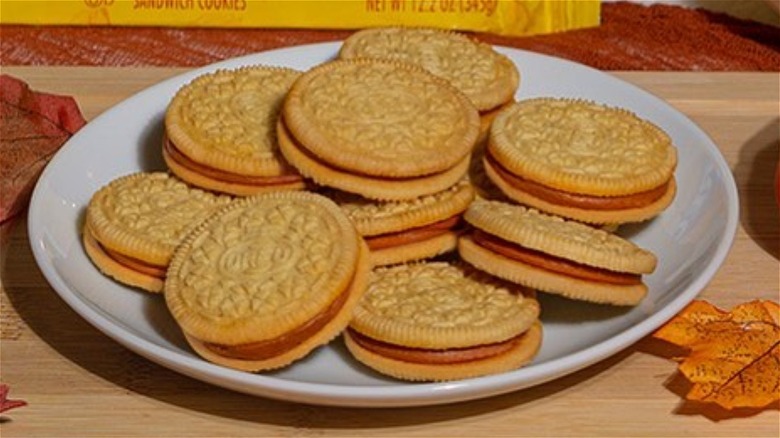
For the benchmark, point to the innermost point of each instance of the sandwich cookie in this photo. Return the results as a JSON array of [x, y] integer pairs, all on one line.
[[267, 280], [220, 131], [488, 78], [555, 255], [438, 321], [383, 130], [134, 224], [582, 160], [403, 231]]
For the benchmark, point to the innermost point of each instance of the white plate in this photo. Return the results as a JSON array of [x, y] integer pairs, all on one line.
[[691, 239]]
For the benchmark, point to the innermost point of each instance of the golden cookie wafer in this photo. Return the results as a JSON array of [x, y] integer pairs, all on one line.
[[581, 160], [134, 223], [442, 315], [230, 184], [377, 188], [267, 280], [520, 353], [559, 237], [544, 280], [609, 217], [582, 147], [553, 254], [403, 231], [380, 119], [221, 129], [372, 218], [487, 77], [123, 273]]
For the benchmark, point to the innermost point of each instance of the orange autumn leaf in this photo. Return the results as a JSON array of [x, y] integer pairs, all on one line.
[[734, 357]]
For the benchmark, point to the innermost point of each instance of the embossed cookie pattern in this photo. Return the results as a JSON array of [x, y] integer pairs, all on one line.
[[441, 305], [369, 111], [150, 210], [486, 77], [439, 297], [261, 260], [582, 147], [378, 118], [235, 112]]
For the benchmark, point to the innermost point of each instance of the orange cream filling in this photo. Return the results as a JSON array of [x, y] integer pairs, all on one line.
[[220, 175], [560, 197], [135, 264], [552, 263], [434, 357], [412, 235], [279, 345]]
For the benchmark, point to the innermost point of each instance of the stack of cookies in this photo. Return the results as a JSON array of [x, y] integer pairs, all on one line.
[[381, 129], [303, 205], [559, 164]]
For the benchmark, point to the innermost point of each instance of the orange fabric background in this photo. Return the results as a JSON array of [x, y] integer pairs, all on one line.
[[631, 37]]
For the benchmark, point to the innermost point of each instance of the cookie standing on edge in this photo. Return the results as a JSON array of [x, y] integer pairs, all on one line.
[[134, 224], [221, 131], [582, 161], [267, 280], [383, 130], [441, 321], [555, 255], [404, 231]]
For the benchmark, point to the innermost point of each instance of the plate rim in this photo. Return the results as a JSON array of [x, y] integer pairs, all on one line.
[[414, 394]]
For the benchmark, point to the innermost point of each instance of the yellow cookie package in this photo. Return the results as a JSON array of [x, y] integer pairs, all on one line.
[[502, 17]]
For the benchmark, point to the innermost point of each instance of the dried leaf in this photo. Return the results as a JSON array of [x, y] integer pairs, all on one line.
[[734, 357], [34, 126], [5, 402]]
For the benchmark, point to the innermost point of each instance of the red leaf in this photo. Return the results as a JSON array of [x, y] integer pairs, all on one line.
[[5, 403], [34, 126]]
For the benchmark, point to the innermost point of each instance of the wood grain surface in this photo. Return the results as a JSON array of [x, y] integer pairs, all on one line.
[[80, 383]]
